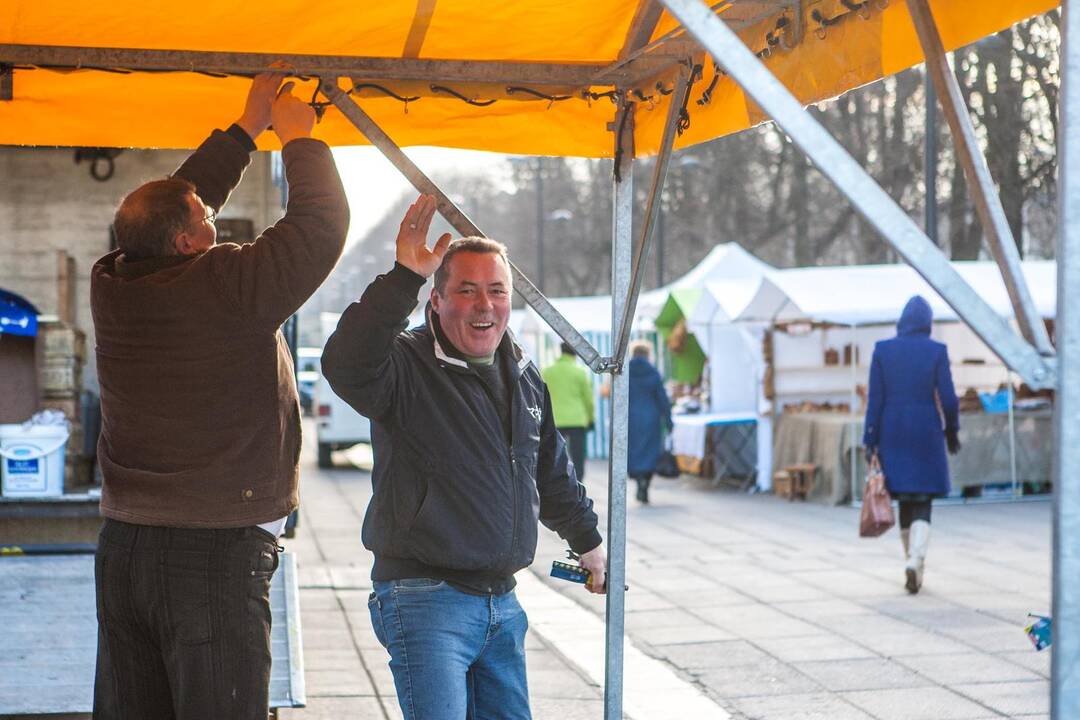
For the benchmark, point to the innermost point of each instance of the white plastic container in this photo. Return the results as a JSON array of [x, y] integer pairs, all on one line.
[[32, 460]]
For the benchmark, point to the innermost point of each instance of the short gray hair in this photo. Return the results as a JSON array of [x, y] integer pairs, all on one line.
[[641, 348], [481, 245], [150, 218]]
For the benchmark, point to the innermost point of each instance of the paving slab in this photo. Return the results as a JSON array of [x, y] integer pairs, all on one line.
[[970, 667], [861, 674], [811, 706], [924, 703], [1011, 699]]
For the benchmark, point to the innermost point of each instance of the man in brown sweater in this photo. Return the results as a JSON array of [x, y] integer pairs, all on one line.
[[200, 420]]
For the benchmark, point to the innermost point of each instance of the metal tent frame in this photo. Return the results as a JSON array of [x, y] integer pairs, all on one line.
[[669, 58]]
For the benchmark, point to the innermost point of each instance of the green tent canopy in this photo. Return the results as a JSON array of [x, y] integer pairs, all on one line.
[[686, 366]]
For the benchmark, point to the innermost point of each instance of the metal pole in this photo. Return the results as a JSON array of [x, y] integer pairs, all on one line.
[[660, 245], [1012, 431], [854, 413], [1065, 668], [458, 220], [621, 244], [641, 257], [985, 196], [540, 224], [865, 195], [930, 161]]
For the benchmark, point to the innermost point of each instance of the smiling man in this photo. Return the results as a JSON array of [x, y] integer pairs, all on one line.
[[467, 459]]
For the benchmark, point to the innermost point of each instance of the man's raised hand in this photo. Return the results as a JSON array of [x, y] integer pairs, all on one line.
[[412, 249], [293, 118], [256, 116]]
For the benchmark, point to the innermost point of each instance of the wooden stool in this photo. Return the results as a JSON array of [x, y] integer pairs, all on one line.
[[802, 479], [782, 485]]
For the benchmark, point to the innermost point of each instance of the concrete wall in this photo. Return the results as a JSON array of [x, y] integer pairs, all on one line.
[[49, 203]]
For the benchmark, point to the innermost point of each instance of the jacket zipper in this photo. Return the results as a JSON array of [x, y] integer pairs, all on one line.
[[516, 511], [514, 490]]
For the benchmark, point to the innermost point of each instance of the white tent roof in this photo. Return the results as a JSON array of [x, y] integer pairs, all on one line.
[[876, 294], [725, 262], [723, 301]]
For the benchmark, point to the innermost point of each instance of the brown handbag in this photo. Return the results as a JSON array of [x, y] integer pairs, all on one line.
[[877, 512]]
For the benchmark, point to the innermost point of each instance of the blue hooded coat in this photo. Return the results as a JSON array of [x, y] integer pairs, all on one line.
[[649, 407], [909, 375]]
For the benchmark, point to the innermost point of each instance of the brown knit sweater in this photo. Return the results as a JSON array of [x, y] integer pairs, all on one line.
[[200, 418]]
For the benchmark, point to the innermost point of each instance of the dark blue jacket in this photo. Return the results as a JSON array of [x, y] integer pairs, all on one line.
[[453, 499], [902, 417], [649, 407]]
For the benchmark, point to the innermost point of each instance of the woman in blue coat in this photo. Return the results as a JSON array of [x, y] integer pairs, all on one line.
[[911, 388], [649, 410]]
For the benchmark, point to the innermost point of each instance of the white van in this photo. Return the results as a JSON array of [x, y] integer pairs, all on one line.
[[339, 426]]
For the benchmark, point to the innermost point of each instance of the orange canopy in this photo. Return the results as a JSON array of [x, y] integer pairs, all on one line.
[[546, 65]]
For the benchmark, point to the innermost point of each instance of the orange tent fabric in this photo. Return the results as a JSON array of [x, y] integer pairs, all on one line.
[[85, 107]]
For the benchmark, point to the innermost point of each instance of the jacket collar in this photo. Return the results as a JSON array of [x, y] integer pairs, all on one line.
[[135, 269]]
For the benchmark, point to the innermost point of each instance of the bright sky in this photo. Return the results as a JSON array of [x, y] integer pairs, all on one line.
[[373, 185]]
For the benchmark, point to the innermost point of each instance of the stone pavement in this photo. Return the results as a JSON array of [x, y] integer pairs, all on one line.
[[780, 612], [740, 606]]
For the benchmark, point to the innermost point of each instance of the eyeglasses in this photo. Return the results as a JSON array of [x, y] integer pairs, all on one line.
[[211, 215]]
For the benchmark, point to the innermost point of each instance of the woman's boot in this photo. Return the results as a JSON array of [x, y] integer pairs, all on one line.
[[918, 543], [643, 490]]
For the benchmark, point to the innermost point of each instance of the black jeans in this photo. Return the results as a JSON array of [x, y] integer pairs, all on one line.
[[183, 623], [575, 446]]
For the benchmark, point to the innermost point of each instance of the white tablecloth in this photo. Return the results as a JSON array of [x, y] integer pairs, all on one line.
[[688, 435], [688, 438]]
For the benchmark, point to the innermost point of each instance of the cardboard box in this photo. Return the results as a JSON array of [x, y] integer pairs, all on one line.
[[61, 379], [61, 341]]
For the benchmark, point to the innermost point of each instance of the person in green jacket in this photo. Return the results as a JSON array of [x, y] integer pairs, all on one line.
[[572, 401]]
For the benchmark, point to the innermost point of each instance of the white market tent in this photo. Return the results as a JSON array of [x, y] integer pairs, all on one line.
[[865, 302], [727, 262]]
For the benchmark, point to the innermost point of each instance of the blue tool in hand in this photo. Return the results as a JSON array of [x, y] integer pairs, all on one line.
[[573, 573]]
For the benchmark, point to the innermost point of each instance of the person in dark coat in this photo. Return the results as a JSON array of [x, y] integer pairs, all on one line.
[[911, 388], [649, 410]]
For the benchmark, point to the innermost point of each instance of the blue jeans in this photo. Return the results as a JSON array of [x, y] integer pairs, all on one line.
[[453, 655]]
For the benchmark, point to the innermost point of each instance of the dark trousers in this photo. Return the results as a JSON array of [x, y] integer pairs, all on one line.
[[575, 445], [183, 623]]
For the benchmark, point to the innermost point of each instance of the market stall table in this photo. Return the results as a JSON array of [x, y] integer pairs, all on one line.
[[825, 439], [716, 445]]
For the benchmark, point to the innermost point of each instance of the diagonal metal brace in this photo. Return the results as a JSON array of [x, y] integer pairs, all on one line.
[[865, 195], [458, 220], [987, 201], [641, 255]]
